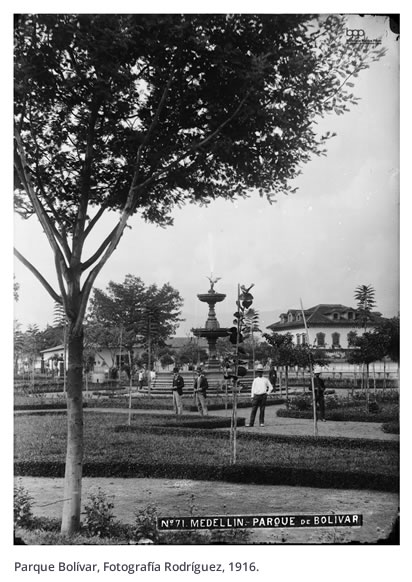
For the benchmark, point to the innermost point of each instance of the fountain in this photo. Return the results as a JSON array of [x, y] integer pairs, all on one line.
[[212, 330]]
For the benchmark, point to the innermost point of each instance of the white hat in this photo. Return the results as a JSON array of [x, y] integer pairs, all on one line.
[[317, 369], [259, 368]]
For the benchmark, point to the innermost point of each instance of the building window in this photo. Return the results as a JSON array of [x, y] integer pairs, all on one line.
[[320, 339], [336, 340], [298, 338], [290, 317], [350, 315], [303, 339], [336, 316]]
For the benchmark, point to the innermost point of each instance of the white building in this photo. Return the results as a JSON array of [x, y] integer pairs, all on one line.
[[329, 325], [329, 328]]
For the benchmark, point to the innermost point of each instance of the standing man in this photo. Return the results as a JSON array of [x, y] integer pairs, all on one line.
[[177, 391], [319, 385], [200, 386], [140, 379], [261, 387]]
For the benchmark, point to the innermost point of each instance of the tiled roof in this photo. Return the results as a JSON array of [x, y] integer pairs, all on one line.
[[318, 315], [53, 349], [178, 342]]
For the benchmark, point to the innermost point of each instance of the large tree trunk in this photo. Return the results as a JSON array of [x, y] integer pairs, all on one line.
[[74, 454]]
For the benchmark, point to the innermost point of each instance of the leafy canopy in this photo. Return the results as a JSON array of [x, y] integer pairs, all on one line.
[[148, 111], [141, 312]]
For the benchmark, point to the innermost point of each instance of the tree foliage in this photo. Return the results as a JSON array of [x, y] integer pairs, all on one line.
[[365, 297], [375, 345], [389, 333], [137, 312], [284, 352], [139, 113], [250, 323], [16, 287]]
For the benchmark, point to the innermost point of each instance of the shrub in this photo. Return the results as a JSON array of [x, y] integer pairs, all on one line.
[[302, 402], [145, 525], [23, 515], [373, 407], [391, 427], [206, 422], [99, 515]]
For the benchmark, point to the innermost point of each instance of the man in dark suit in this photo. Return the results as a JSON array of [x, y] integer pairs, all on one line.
[[200, 387], [177, 390], [319, 394]]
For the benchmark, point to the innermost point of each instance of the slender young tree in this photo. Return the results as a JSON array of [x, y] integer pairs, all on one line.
[[140, 113], [365, 298], [283, 354]]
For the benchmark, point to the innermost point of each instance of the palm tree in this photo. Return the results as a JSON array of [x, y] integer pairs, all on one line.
[[365, 297]]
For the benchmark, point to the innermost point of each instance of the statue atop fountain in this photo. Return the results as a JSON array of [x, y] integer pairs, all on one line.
[[213, 282]]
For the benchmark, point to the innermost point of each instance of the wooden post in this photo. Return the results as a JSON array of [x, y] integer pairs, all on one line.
[[315, 420], [149, 379], [130, 390], [235, 383]]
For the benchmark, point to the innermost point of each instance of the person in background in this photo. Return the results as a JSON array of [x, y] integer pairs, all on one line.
[[200, 387], [319, 394], [273, 376], [140, 379], [261, 387], [177, 391]]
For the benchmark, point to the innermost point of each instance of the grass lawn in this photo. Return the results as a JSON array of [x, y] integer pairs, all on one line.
[[163, 451]]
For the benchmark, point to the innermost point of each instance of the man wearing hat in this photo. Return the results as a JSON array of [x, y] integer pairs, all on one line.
[[200, 386], [319, 385], [177, 391], [261, 387]]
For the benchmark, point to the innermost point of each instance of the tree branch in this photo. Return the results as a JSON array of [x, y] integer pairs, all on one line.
[[115, 238], [59, 271], [356, 70], [94, 220], [78, 231], [56, 297], [49, 228], [194, 147], [99, 251], [154, 122]]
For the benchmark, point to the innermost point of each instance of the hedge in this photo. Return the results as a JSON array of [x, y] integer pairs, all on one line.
[[47, 406], [391, 427], [342, 414]]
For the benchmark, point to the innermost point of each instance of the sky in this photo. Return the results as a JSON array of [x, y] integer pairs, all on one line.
[[340, 230]]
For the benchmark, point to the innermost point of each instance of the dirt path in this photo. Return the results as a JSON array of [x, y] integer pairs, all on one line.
[[176, 497]]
